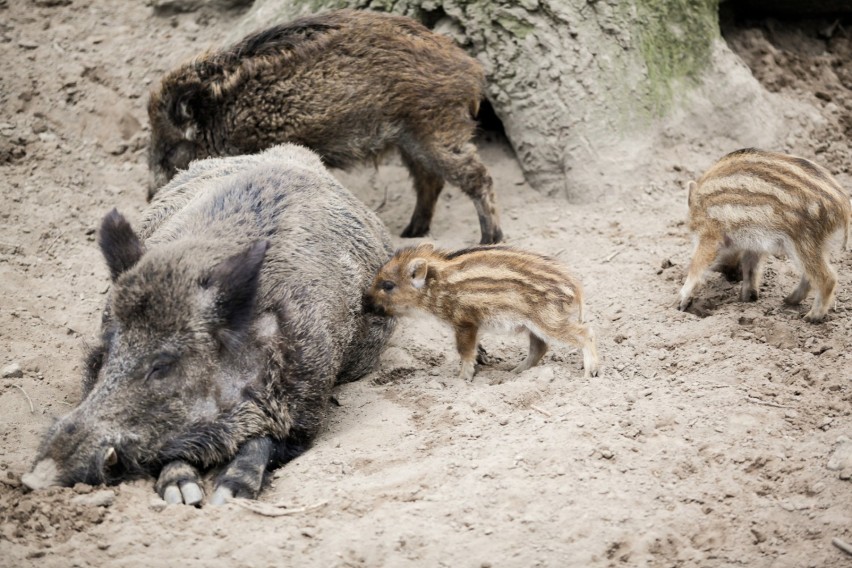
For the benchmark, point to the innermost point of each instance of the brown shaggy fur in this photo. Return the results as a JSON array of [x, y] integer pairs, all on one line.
[[348, 84]]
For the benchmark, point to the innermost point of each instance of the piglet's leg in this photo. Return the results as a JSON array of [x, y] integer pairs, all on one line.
[[538, 348], [800, 293], [824, 280], [243, 477], [466, 345], [752, 270], [179, 482], [704, 255]]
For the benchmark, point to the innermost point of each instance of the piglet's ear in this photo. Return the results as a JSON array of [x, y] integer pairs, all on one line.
[[119, 244], [236, 281], [417, 271]]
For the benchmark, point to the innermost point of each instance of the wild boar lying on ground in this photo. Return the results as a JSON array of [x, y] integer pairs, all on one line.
[[752, 203], [232, 315], [348, 84]]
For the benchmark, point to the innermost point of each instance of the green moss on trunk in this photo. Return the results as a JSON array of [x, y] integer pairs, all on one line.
[[675, 42]]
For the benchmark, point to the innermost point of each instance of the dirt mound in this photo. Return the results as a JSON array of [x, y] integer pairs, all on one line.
[[718, 440]]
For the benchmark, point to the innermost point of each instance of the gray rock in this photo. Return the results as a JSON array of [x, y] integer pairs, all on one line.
[[165, 7], [841, 459], [12, 371]]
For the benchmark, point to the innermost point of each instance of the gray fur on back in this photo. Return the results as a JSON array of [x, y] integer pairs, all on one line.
[[325, 245]]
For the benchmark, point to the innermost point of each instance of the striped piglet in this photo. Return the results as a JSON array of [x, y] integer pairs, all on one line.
[[488, 288], [752, 203]]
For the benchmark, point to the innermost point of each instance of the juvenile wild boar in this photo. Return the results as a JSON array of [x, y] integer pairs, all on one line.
[[232, 314], [348, 84], [752, 203], [487, 288]]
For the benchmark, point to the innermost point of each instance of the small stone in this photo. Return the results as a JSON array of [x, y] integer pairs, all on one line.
[[82, 489], [607, 454], [12, 371], [157, 505], [503, 421], [841, 458], [846, 474], [103, 498]]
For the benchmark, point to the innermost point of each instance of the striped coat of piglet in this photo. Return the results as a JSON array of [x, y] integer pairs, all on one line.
[[488, 288], [753, 203]]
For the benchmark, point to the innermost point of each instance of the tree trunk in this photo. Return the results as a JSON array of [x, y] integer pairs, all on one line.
[[588, 88]]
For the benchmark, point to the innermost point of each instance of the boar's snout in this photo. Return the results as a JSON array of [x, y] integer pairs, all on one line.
[[69, 456], [47, 473]]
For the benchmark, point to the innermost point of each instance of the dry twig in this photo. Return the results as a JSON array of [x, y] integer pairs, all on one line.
[[764, 403], [273, 509], [844, 546], [613, 255], [32, 409], [543, 411]]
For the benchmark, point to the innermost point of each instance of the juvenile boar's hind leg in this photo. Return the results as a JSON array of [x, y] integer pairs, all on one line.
[[800, 293], [179, 482], [704, 255], [466, 345], [463, 168], [243, 477], [581, 336], [428, 186], [538, 348], [730, 266], [752, 270], [822, 276]]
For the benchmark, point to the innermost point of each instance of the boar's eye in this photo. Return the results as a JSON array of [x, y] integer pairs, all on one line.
[[387, 285], [160, 369]]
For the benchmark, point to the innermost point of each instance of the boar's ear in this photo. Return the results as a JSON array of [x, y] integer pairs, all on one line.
[[119, 244], [236, 279], [417, 272]]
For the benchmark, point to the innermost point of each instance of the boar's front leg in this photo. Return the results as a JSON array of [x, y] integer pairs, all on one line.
[[243, 477], [179, 482]]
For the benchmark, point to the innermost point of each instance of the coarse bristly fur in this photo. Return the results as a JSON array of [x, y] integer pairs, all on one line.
[[752, 203], [348, 84], [488, 287], [233, 312]]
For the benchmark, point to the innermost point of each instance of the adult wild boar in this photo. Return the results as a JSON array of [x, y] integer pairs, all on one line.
[[232, 314], [348, 84]]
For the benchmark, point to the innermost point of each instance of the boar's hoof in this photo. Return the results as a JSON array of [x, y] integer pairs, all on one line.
[[748, 295], [482, 356], [188, 492], [221, 496], [684, 304], [414, 230], [495, 237]]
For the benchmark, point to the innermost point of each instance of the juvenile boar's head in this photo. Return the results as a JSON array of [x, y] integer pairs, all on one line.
[[401, 285], [178, 116], [174, 354]]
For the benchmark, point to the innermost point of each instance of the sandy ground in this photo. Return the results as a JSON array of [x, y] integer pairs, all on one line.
[[717, 439]]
